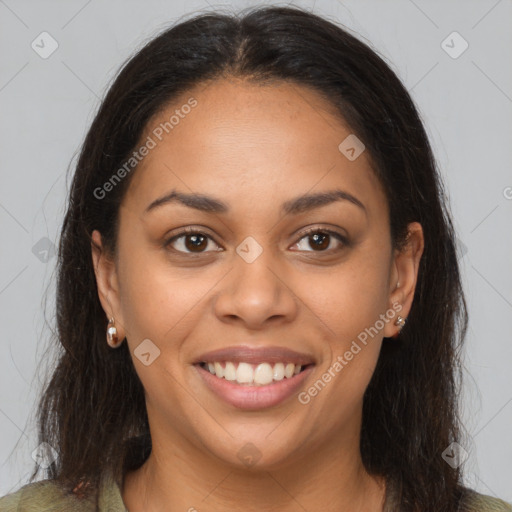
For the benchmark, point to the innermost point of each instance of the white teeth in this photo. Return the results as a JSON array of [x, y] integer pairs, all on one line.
[[219, 371], [230, 372], [256, 375], [263, 374], [288, 370], [279, 371], [244, 373]]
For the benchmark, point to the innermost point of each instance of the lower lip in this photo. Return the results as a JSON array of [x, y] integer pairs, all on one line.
[[254, 397]]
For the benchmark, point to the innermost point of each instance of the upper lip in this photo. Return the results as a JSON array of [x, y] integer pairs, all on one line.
[[256, 355]]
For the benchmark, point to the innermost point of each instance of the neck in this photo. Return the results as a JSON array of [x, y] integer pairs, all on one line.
[[178, 476]]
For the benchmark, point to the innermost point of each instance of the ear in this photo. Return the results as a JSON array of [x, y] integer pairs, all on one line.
[[405, 272], [107, 282]]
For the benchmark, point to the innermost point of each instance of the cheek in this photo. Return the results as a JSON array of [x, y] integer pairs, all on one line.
[[348, 307], [349, 298], [154, 301]]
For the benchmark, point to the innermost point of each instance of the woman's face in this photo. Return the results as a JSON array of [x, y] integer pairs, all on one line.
[[250, 279]]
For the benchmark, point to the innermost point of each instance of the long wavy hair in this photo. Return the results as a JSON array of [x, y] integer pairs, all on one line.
[[92, 409]]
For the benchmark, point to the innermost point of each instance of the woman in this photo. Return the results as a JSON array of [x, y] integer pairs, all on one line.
[[258, 293]]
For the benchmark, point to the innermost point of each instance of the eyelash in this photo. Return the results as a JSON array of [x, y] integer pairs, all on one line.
[[310, 231]]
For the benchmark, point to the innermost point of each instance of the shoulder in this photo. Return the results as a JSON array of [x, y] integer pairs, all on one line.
[[46, 496], [476, 502], [49, 496]]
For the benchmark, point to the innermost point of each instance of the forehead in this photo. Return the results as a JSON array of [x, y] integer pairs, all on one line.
[[246, 141]]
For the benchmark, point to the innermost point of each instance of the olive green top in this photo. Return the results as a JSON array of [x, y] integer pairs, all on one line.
[[47, 496]]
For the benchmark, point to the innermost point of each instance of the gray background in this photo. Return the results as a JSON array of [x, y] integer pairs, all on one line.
[[466, 104]]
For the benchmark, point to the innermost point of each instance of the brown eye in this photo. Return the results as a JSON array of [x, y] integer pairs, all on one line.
[[195, 242], [320, 240], [190, 241]]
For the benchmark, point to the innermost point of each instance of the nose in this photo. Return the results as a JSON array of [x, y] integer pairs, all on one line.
[[255, 294]]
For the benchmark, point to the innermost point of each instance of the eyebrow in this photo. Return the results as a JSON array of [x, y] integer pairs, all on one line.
[[294, 206]]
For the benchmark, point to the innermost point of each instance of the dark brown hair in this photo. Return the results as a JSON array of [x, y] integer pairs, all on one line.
[[93, 409]]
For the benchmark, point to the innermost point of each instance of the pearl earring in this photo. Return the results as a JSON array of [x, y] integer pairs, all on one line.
[[112, 338], [400, 322]]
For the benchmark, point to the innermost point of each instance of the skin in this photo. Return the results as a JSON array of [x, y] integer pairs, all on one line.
[[254, 147]]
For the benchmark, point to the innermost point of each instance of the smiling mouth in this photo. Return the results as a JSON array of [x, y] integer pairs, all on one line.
[[247, 374]]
